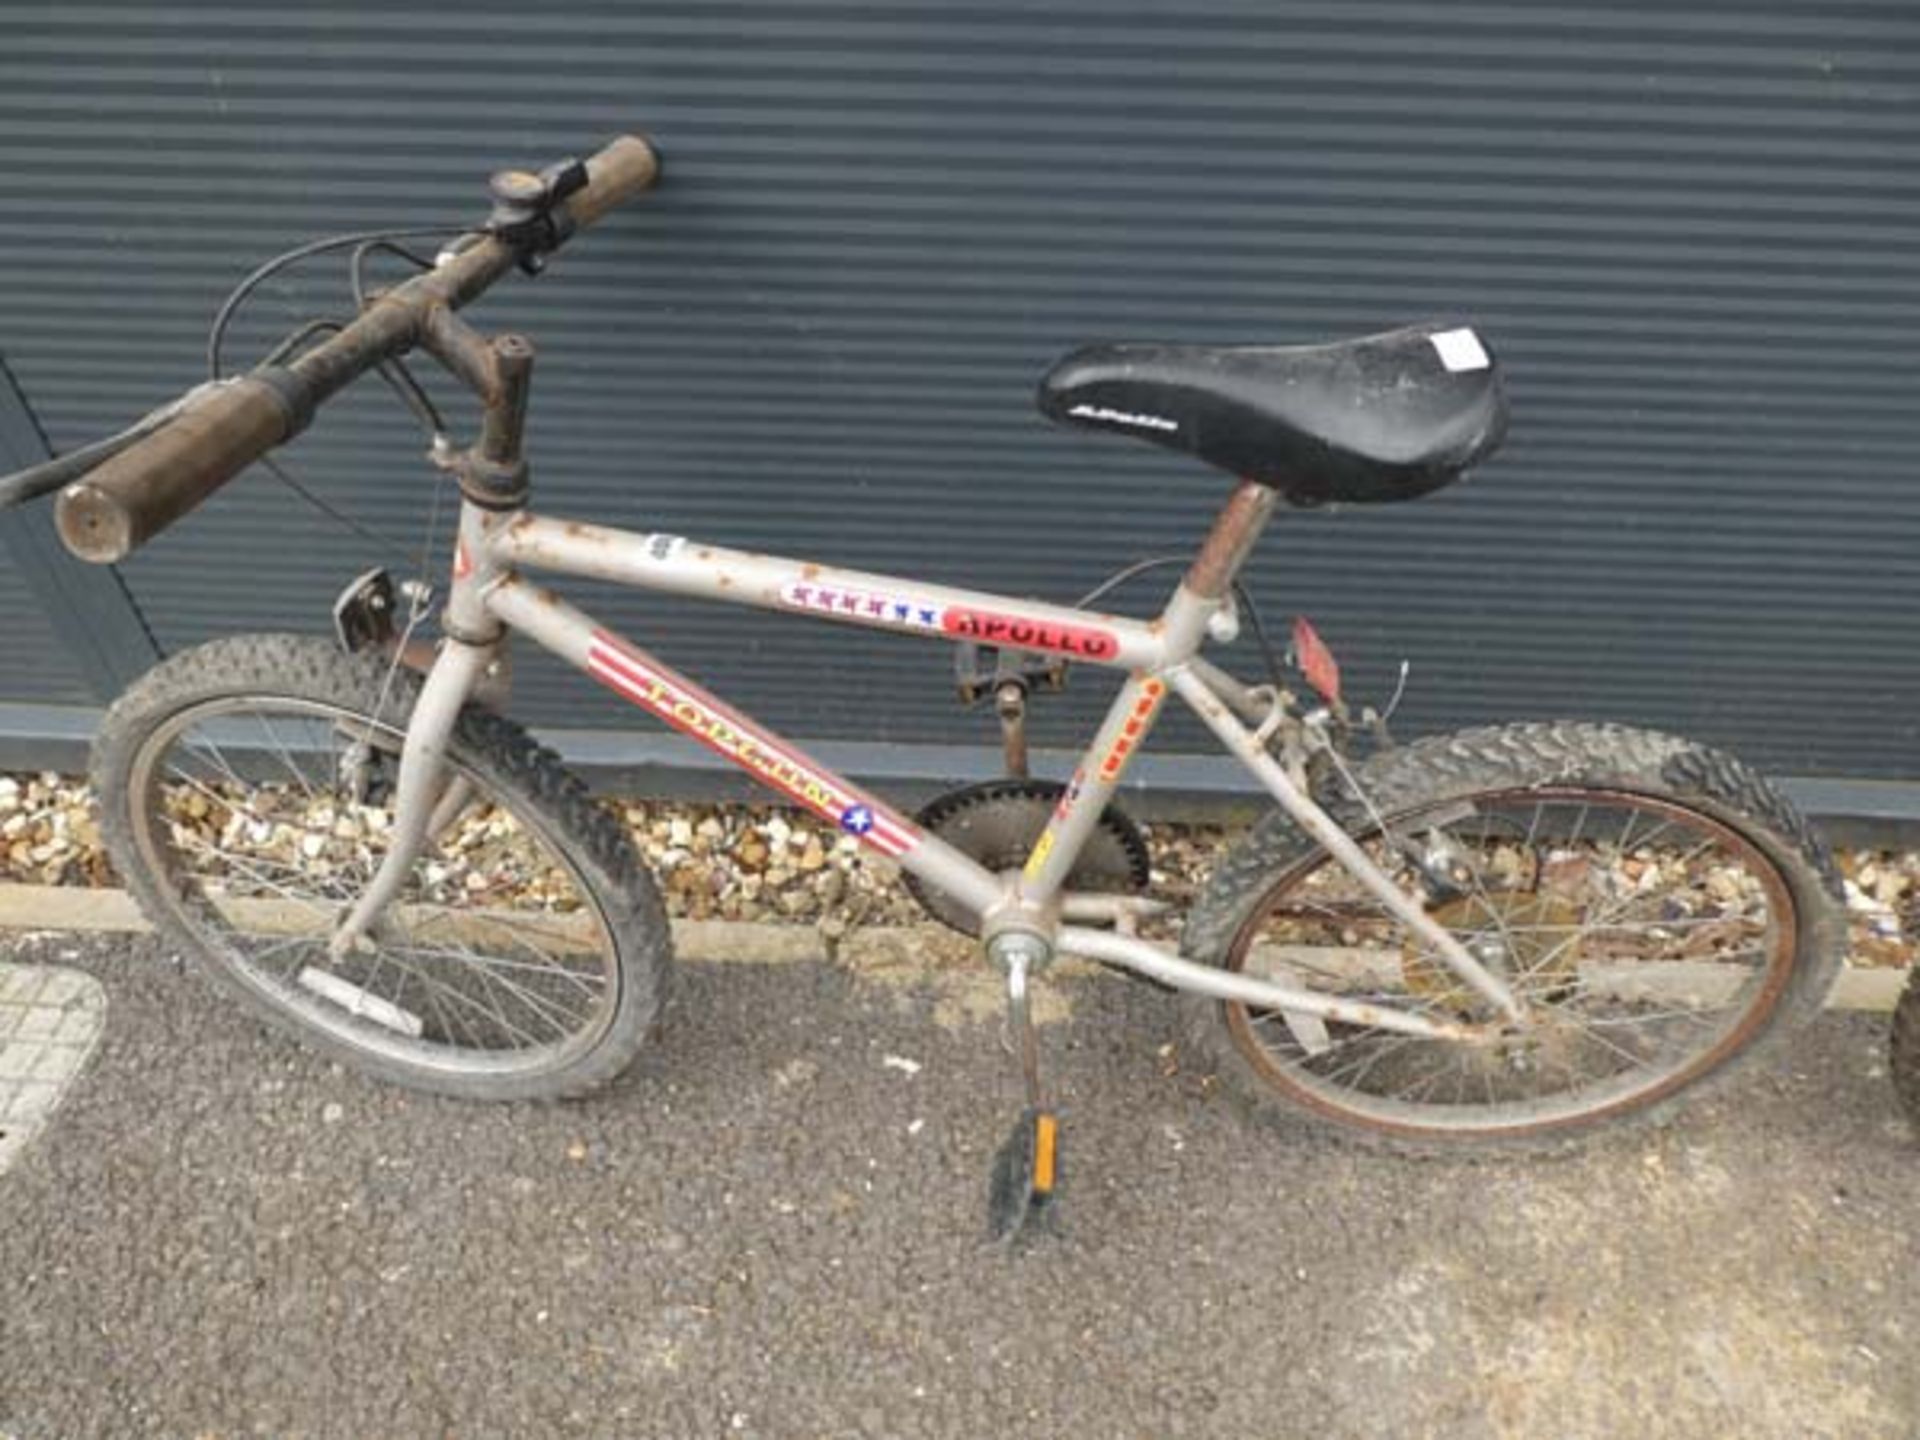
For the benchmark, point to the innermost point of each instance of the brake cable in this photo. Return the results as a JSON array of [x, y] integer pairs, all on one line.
[[279, 472], [393, 371], [357, 266], [268, 269], [1242, 597]]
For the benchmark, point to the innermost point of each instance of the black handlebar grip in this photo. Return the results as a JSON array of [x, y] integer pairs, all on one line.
[[145, 488], [614, 176]]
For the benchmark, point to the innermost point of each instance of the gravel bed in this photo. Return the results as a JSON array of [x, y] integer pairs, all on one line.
[[766, 863]]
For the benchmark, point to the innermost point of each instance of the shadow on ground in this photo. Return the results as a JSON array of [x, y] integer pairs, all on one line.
[[768, 1230]]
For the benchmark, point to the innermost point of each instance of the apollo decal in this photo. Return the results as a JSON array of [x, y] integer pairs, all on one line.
[[734, 738], [1025, 634], [1133, 729], [851, 603]]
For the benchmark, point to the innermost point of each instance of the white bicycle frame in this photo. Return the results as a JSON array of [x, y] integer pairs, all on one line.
[[491, 597]]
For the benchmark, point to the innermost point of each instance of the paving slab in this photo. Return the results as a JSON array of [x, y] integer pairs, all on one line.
[[51, 1018]]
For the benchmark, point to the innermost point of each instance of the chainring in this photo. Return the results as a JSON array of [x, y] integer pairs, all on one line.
[[997, 823]]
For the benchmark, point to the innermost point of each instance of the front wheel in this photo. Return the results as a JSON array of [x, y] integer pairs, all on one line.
[[1655, 905], [245, 791]]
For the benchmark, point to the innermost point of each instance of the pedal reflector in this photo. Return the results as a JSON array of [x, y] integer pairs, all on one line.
[[1046, 1132], [1025, 1171]]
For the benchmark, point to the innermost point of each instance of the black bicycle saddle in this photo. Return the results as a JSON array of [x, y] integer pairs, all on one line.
[[1384, 417]]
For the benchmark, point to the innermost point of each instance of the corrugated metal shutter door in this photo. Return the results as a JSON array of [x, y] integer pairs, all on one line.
[[1689, 232], [33, 666]]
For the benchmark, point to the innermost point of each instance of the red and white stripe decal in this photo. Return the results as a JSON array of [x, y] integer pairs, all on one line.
[[732, 736]]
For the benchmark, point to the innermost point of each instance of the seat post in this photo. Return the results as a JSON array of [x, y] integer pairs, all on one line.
[[1233, 535]]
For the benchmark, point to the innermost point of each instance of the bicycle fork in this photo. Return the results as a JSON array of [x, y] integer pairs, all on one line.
[[424, 800]]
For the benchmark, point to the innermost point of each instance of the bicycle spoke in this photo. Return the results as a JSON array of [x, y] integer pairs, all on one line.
[[485, 981], [1595, 908], [489, 967], [496, 962], [451, 993], [248, 868], [286, 756]]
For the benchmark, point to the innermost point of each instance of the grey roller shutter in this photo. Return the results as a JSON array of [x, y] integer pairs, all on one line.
[[1688, 231]]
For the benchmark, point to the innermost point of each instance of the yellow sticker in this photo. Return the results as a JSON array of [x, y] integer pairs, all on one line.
[[1042, 849]]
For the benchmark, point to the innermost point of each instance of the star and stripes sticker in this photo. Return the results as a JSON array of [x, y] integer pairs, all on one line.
[[857, 604], [726, 732]]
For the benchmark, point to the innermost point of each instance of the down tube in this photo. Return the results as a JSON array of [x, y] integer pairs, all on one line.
[[655, 687]]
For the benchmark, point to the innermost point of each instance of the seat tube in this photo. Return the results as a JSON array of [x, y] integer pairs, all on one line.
[[1183, 627]]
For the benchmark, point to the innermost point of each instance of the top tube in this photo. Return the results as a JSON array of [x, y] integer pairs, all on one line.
[[680, 566]]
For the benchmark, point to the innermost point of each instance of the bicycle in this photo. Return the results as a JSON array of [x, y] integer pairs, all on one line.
[[1495, 939]]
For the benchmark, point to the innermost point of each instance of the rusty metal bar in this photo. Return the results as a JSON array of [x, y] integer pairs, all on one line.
[[146, 487], [1233, 535], [1010, 704], [506, 418], [462, 349]]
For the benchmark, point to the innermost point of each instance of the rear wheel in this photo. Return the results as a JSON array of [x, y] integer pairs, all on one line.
[[1655, 905], [245, 790]]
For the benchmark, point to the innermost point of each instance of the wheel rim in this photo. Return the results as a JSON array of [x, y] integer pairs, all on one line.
[[496, 959], [1651, 941]]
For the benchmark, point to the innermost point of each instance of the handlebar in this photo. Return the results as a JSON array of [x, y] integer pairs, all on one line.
[[135, 494], [616, 175]]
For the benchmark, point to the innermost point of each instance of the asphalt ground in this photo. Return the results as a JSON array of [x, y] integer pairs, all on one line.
[[773, 1229]]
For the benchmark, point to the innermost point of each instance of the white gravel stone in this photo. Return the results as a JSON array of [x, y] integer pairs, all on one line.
[[759, 862]]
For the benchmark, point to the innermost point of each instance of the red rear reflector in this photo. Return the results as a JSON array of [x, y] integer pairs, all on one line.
[[1315, 660]]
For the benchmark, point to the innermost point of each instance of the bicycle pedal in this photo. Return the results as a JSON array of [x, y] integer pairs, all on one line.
[[1025, 1179]]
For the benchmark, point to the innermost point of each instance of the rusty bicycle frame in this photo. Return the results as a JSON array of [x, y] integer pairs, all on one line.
[[214, 432], [491, 597]]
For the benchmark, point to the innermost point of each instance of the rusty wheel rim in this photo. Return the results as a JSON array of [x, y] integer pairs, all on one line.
[[1617, 1038]]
